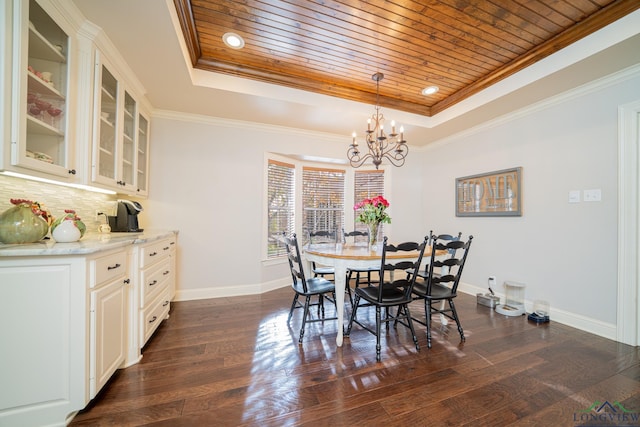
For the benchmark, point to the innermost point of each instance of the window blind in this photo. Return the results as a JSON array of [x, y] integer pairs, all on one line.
[[322, 199], [281, 205], [368, 184]]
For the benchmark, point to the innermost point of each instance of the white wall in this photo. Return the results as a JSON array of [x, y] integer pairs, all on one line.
[[207, 178], [207, 182], [565, 253]]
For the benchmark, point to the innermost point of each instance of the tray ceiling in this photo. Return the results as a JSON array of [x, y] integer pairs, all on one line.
[[334, 47]]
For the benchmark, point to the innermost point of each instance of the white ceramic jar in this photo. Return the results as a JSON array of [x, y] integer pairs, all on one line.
[[66, 232]]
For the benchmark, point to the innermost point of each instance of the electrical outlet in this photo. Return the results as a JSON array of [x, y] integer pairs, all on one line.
[[492, 281]]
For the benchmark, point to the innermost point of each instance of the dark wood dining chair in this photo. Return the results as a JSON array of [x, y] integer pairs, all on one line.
[[306, 288], [357, 237], [443, 237], [390, 293], [443, 278], [322, 236]]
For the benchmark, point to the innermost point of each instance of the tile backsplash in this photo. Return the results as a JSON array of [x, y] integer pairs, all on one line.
[[57, 198]]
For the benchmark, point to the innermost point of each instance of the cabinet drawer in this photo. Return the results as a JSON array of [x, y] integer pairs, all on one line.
[[154, 280], [156, 251], [107, 268], [152, 316]]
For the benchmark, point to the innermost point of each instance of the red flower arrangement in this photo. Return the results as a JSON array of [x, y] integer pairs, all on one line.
[[373, 211]]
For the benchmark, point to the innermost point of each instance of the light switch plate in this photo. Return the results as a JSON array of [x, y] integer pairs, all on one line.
[[574, 196], [592, 195]]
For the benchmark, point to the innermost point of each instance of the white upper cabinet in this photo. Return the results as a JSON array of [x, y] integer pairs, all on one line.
[[71, 108], [42, 137], [120, 142], [142, 182]]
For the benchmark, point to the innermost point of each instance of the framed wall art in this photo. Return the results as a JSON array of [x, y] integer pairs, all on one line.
[[496, 193]]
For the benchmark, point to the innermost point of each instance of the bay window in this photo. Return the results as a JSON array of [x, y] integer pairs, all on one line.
[[303, 197]]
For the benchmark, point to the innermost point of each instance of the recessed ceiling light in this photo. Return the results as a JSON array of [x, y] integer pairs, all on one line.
[[233, 40], [430, 90]]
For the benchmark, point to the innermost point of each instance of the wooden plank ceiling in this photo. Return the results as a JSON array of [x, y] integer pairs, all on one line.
[[333, 47]]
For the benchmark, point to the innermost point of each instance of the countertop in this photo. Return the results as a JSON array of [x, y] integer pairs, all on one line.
[[90, 243]]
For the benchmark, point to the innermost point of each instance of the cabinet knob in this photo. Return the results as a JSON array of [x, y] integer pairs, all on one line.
[[127, 281], [72, 171], [153, 283], [153, 319], [113, 267]]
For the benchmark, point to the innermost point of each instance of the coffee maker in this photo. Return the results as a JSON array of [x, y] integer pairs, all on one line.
[[126, 218]]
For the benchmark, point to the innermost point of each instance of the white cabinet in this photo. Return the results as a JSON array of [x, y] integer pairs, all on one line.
[[44, 333], [42, 136], [157, 283], [108, 300], [5, 82], [121, 134], [150, 297], [63, 333], [71, 109], [142, 182]]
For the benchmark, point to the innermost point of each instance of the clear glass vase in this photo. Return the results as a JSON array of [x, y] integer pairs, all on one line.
[[373, 235]]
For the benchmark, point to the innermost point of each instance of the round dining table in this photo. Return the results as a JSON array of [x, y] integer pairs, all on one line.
[[345, 256]]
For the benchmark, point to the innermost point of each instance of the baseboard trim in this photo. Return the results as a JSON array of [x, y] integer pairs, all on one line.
[[231, 291], [578, 321], [597, 327]]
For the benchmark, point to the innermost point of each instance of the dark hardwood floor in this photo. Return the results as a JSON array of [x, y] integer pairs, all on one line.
[[234, 362]]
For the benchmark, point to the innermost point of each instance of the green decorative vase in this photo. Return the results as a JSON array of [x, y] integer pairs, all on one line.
[[19, 224]]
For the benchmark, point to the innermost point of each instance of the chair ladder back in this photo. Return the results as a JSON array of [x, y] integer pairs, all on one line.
[[355, 234], [295, 260], [322, 236], [403, 265], [450, 267]]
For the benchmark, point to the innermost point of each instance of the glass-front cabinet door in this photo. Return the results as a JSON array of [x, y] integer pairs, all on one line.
[[117, 133], [128, 141], [41, 139], [105, 131], [143, 156]]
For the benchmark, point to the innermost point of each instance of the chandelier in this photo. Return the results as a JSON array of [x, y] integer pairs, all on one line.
[[380, 145]]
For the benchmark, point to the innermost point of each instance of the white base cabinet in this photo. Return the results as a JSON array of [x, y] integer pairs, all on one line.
[[108, 316], [156, 277], [150, 299], [70, 321], [108, 326], [44, 333]]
